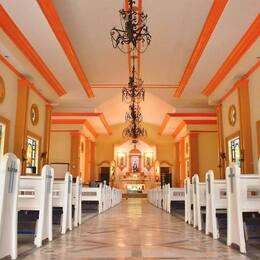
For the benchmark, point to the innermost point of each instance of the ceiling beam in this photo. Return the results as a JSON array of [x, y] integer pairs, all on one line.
[[19, 75], [244, 77], [13, 32], [178, 129], [207, 30], [55, 23], [251, 35], [90, 128], [181, 115], [101, 117], [68, 121]]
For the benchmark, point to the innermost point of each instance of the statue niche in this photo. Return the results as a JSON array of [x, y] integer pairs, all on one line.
[[135, 160]]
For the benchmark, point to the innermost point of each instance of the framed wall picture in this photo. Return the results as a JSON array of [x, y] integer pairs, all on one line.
[[232, 115], [121, 160], [148, 159]]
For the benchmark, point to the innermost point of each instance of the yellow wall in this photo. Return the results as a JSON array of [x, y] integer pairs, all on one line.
[[8, 107], [104, 149], [254, 95], [60, 145], [208, 154]]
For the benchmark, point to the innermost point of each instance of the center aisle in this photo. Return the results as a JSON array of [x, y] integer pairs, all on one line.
[[135, 229]]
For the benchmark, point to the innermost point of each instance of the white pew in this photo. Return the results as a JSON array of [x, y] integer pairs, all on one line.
[[9, 178], [174, 194], [199, 200], [76, 201], [93, 194], [216, 202], [243, 195], [188, 200], [35, 193], [62, 197]]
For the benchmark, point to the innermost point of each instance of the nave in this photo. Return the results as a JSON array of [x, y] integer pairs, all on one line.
[[135, 230]]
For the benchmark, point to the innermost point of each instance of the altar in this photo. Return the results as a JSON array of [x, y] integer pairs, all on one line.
[[135, 168]]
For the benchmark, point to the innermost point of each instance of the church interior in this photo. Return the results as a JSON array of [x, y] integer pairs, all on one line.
[[129, 129]]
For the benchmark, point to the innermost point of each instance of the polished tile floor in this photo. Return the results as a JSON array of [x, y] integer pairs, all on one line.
[[135, 230]]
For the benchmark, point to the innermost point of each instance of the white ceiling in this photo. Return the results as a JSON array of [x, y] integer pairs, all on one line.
[[175, 27]]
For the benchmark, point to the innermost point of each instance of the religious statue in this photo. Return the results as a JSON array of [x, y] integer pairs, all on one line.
[[135, 168]]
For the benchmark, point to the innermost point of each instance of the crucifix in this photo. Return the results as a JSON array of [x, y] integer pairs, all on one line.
[[231, 176], [208, 182], [195, 186], [12, 170], [48, 177], [69, 182]]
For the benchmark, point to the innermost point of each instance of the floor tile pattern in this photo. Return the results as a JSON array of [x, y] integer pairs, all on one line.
[[135, 230]]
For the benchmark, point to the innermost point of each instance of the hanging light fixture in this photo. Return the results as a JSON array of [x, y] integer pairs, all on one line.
[[133, 30], [134, 89], [133, 37]]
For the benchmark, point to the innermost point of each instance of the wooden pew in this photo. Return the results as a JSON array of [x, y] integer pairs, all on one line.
[[93, 194], [243, 195], [76, 201], [188, 201], [62, 198], [9, 180], [216, 202], [35, 193], [199, 200]]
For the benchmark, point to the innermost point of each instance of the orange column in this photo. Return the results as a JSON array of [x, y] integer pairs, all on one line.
[[221, 149], [92, 174], [75, 154], [194, 155], [182, 162], [177, 169], [88, 157], [21, 120], [245, 127], [47, 132]]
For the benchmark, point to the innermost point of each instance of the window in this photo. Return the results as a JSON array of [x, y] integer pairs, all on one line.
[[234, 150], [32, 155], [2, 138], [4, 135]]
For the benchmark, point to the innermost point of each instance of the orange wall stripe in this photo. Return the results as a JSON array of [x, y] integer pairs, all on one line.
[[90, 128], [76, 114], [248, 74], [208, 28], [54, 21], [10, 28], [105, 123], [67, 121], [200, 114], [243, 45], [200, 122], [178, 129], [19, 75], [164, 123]]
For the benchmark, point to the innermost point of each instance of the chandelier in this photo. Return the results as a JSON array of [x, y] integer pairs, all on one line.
[[133, 37], [134, 89], [133, 34]]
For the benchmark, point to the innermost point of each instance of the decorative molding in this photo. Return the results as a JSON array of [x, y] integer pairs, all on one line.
[[12, 30], [207, 30], [90, 128], [34, 114], [2, 90], [55, 23], [20, 76], [243, 45], [244, 77], [184, 114], [85, 114]]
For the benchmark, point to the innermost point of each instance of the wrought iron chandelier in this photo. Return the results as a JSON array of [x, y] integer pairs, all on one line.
[[133, 34], [134, 89], [133, 37]]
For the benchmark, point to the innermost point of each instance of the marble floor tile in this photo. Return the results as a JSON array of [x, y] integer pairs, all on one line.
[[134, 230]]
